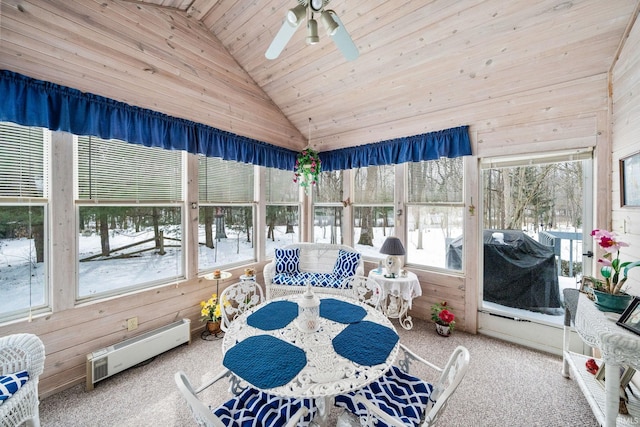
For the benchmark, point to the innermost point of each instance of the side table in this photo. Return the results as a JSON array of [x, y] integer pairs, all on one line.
[[397, 294], [223, 276], [618, 346]]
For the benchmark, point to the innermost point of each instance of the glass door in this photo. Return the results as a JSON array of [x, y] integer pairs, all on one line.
[[536, 227]]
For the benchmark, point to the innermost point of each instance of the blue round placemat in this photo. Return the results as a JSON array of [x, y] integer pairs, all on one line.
[[341, 311], [366, 343], [275, 315], [265, 361]]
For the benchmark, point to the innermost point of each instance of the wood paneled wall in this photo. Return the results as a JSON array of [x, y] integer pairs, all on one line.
[[626, 141], [143, 56], [571, 114]]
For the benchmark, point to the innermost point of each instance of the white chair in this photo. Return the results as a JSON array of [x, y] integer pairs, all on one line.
[[20, 352], [364, 290], [399, 399], [238, 298], [251, 404]]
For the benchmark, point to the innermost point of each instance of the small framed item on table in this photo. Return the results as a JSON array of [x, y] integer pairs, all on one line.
[[626, 373], [630, 318]]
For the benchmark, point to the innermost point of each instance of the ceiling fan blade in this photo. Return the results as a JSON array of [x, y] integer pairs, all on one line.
[[343, 40], [281, 39]]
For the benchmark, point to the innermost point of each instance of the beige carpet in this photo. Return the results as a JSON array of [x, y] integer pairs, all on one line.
[[507, 385]]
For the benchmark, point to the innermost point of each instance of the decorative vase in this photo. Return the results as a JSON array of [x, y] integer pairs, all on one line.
[[213, 326], [443, 330], [614, 303]]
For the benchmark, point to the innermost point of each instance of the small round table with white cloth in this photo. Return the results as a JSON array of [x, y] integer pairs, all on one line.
[[397, 294]]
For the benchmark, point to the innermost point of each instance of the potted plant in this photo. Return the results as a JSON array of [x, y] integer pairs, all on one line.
[[609, 293], [445, 319], [211, 312], [307, 169]]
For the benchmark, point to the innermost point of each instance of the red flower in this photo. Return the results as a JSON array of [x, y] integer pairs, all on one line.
[[446, 316]]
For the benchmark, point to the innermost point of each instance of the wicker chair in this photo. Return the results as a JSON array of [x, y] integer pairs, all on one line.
[[399, 399], [238, 298], [250, 406], [21, 352]]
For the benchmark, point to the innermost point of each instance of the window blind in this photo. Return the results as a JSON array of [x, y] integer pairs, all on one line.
[[22, 161], [280, 187], [538, 159], [224, 181], [374, 184], [436, 181], [116, 170]]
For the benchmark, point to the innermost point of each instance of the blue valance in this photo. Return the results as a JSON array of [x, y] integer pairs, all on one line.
[[452, 142], [31, 102]]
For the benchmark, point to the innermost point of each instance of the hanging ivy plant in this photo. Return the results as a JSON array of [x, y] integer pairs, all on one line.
[[307, 169]]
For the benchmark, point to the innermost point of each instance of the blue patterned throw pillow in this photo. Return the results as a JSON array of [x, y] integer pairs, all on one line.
[[346, 264], [287, 260], [11, 383]]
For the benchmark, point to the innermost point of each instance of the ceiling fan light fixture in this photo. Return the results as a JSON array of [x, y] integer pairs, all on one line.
[[312, 31], [328, 22], [295, 15]]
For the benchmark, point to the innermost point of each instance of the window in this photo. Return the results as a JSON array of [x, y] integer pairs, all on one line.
[[373, 208], [283, 209], [226, 224], [129, 216], [24, 178], [435, 208], [327, 211]]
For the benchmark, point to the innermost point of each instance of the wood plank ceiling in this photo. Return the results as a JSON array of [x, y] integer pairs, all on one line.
[[417, 58]]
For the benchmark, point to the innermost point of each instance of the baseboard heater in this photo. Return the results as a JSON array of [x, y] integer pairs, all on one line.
[[116, 358]]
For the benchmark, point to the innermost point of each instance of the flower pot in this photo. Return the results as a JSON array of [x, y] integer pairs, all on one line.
[[443, 330], [213, 326], [614, 303]]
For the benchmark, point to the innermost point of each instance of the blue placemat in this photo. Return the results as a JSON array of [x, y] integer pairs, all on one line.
[[265, 361], [275, 315], [340, 311], [365, 343]]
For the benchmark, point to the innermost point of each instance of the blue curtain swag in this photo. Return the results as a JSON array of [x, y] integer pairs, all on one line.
[[30, 102]]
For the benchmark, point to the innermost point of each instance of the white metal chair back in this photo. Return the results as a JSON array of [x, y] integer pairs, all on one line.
[[201, 413], [450, 377], [250, 408], [364, 290], [20, 352], [238, 298]]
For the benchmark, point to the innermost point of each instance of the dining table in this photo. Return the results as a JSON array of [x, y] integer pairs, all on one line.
[[354, 344]]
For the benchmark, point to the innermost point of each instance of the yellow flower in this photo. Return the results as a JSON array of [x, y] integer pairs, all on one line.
[[210, 309]]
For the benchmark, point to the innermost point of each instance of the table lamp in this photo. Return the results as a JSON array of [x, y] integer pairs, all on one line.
[[393, 248]]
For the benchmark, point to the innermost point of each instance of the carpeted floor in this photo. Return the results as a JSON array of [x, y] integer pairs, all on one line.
[[506, 385]]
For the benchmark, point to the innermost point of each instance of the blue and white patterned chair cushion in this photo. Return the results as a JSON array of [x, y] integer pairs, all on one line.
[[10, 384], [325, 280], [287, 260], [346, 263], [397, 393], [254, 408]]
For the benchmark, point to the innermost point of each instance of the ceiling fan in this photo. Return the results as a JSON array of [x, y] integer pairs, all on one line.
[[308, 9]]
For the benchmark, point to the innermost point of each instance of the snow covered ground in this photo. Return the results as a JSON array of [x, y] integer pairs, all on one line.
[[22, 279]]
